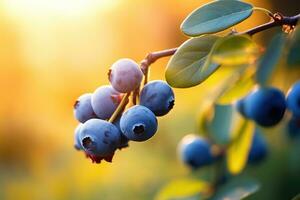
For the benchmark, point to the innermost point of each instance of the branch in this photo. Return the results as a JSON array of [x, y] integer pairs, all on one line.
[[152, 57], [277, 20]]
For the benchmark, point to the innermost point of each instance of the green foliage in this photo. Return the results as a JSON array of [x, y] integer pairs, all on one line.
[[220, 125], [236, 86], [190, 64], [293, 57], [234, 50], [216, 16], [236, 188], [269, 60], [184, 189], [238, 150]]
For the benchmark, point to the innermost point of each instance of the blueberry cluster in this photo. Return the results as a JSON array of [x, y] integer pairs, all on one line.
[[266, 106], [97, 135]]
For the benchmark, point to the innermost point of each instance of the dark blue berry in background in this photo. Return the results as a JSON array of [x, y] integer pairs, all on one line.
[[259, 149], [195, 151], [266, 106], [293, 127], [158, 96], [293, 99]]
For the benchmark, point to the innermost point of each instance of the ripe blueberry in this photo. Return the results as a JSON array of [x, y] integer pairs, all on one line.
[[83, 110], [105, 101], [124, 140], [77, 143], [125, 75], [258, 150], [293, 99], [158, 96], [138, 123], [293, 127], [195, 151], [99, 139], [266, 106]]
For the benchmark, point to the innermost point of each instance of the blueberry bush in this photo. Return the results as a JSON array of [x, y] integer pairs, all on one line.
[[235, 118]]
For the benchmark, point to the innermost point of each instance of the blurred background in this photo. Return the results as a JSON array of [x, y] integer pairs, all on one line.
[[52, 51]]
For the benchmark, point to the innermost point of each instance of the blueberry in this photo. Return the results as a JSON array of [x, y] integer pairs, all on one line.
[[124, 140], [105, 101], [266, 106], [258, 150], [125, 75], [83, 110], [158, 96], [195, 151], [293, 127], [293, 99], [138, 123], [77, 143], [99, 137]]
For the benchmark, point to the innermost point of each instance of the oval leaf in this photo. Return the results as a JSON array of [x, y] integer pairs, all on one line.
[[190, 65], [236, 189], [216, 16], [238, 150], [219, 126], [235, 50], [236, 86], [183, 189], [269, 60]]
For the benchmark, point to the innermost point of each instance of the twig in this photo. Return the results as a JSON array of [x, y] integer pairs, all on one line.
[[120, 107], [152, 57]]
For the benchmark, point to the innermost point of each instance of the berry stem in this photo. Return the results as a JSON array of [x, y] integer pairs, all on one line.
[[120, 107], [153, 56]]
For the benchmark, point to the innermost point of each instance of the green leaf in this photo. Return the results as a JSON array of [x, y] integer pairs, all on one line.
[[293, 57], [190, 65], [269, 60], [216, 16], [237, 85], [236, 189], [238, 150], [219, 127], [235, 50], [183, 189]]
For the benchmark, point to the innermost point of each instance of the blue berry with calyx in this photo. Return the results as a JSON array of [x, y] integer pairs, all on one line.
[[158, 96], [293, 99], [124, 140], [83, 110], [138, 123], [195, 151], [99, 139], [105, 101], [77, 143], [266, 106]]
